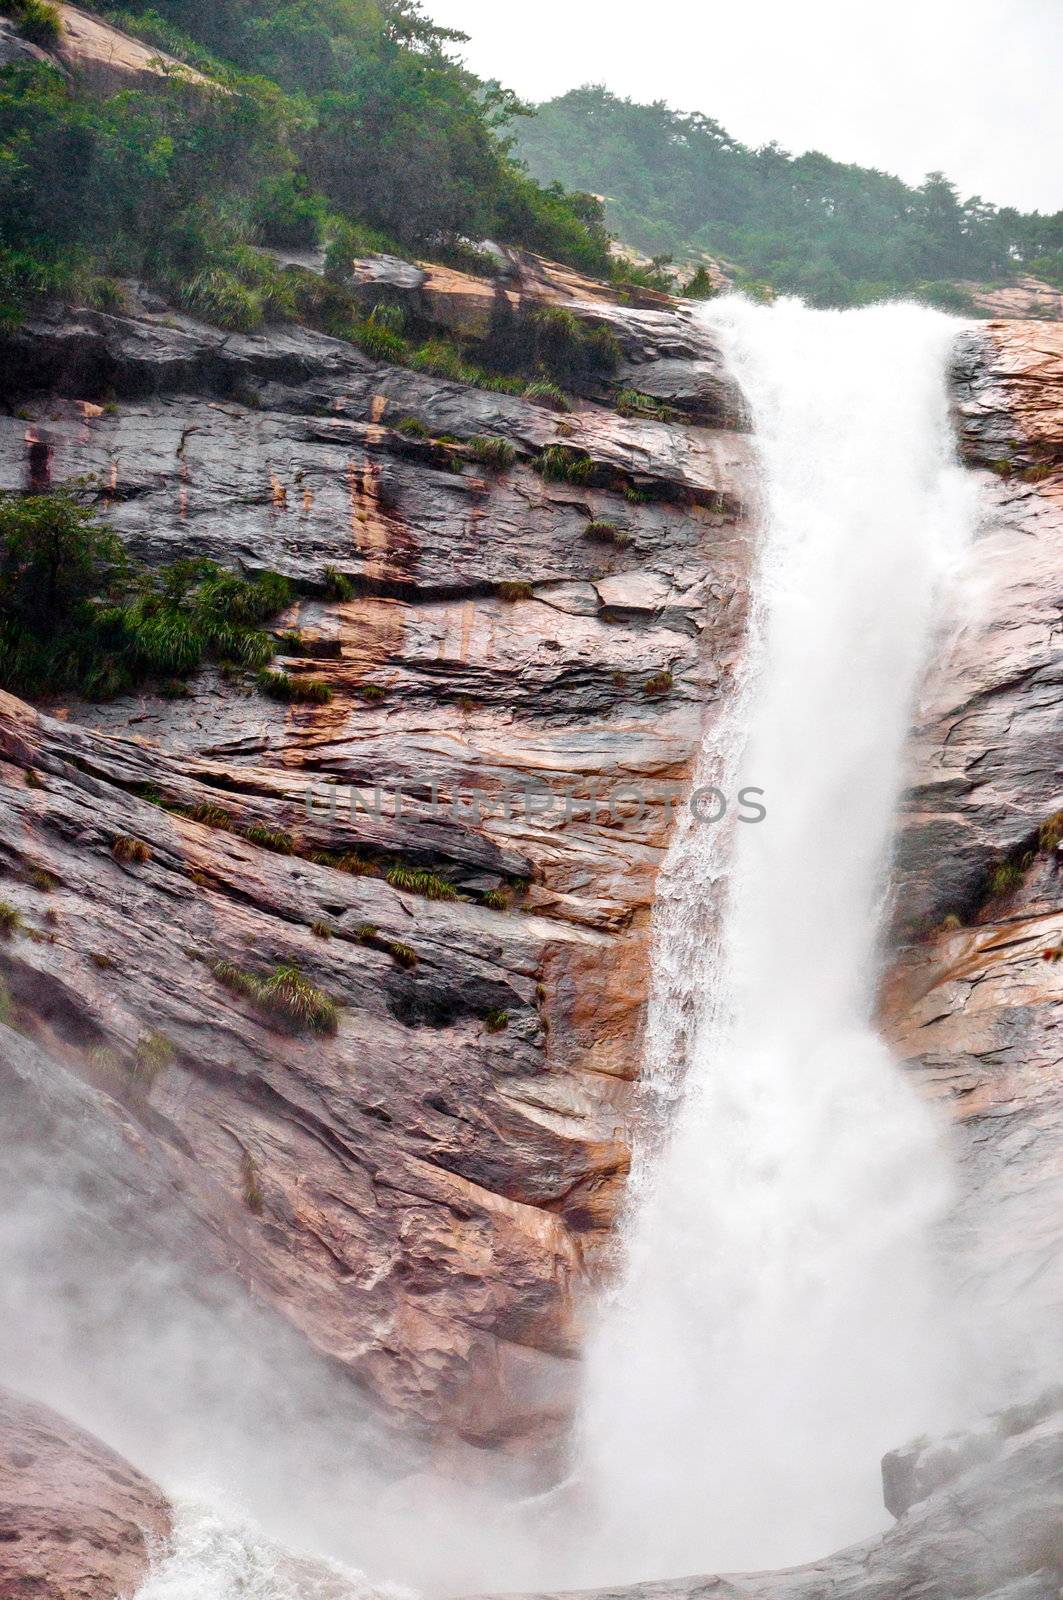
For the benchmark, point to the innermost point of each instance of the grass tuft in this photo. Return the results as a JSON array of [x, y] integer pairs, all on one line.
[[285, 996], [10, 920], [275, 839], [153, 1054], [292, 690], [511, 592], [660, 684], [130, 852], [495, 1021]]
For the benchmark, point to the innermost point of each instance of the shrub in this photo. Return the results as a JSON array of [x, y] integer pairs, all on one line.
[[1004, 876], [36, 20], [210, 815], [76, 614], [700, 286], [130, 852], [337, 585], [493, 452], [369, 691], [633, 403], [379, 340], [496, 1020], [658, 685], [10, 920], [290, 690], [42, 880]]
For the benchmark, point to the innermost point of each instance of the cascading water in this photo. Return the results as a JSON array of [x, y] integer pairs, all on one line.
[[778, 1325]]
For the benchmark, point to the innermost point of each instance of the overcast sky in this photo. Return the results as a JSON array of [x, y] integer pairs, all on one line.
[[973, 87]]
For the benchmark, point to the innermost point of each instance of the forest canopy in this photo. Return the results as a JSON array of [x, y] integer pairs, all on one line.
[[838, 234]]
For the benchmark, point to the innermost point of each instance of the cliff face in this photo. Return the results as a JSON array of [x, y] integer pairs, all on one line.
[[973, 1002], [422, 1196], [419, 1194]]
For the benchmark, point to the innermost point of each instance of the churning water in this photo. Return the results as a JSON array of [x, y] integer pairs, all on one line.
[[778, 1324]]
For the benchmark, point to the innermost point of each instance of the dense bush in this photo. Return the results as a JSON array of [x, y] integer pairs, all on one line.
[[36, 20], [76, 614], [834, 232], [337, 121]]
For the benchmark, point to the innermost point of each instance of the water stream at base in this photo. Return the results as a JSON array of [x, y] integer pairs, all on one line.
[[780, 1320]]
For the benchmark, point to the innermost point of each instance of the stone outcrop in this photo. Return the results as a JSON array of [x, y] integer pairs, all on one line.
[[76, 1521]]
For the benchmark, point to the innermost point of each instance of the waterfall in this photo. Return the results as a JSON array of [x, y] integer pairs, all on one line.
[[778, 1323]]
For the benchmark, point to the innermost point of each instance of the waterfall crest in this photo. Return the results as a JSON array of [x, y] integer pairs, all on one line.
[[778, 1324]]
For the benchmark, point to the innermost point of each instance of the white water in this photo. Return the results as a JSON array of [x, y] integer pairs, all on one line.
[[779, 1323]]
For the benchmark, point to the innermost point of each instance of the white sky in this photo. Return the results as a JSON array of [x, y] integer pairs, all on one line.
[[973, 87]]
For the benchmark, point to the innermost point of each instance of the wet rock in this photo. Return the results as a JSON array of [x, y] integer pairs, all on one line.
[[993, 1530], [76, 1521]]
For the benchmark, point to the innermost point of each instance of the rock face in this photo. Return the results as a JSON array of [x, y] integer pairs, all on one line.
[[419, 1195], [76, 1521], [422, 1197], [990, 1528], [972, 1004]]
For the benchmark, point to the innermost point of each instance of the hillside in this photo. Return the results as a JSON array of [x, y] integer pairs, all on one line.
[[834, 233]]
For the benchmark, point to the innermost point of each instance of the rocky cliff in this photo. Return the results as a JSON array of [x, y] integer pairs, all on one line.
[[533, 662]]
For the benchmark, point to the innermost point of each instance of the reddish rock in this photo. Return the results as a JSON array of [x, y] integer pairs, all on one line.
[[76, 1521]]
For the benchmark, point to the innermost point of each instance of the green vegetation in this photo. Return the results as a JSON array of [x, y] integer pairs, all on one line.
[[418, 881], [559, 463], [36, 20], [344, 122], [495, 453], [10, 919], [1004, 876], [606, 533], [275, 839], [836, 233], [1050, 833], [285, 996], [512, 592], [153, 1054], [76, 614], [496, 1020], [291, 690], [544, 393], [251, 1185], [337, 585]]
